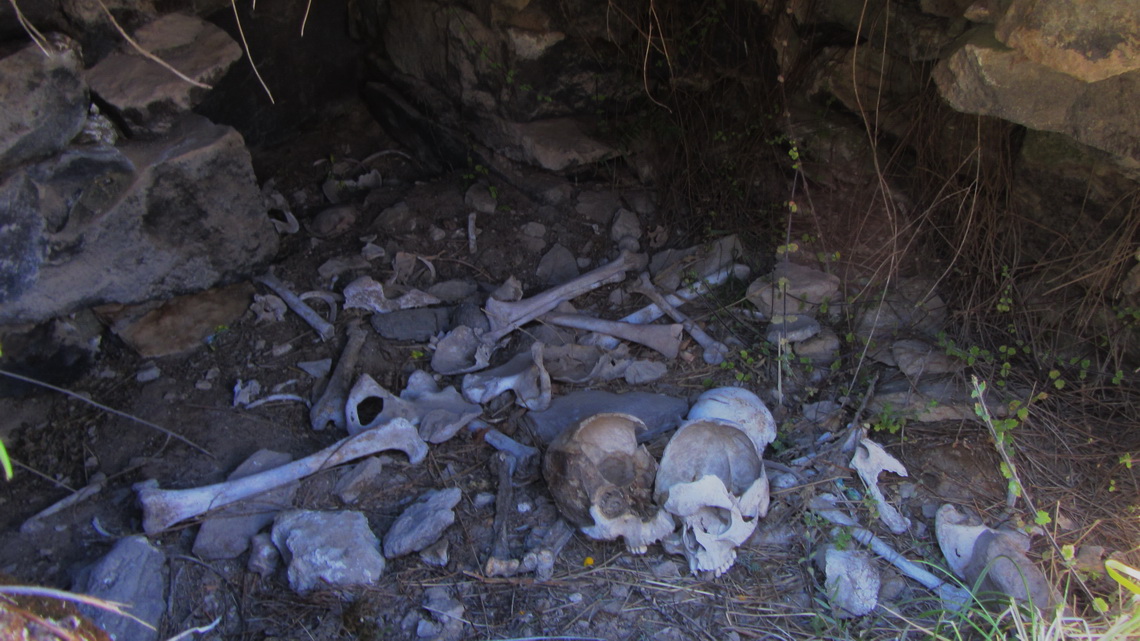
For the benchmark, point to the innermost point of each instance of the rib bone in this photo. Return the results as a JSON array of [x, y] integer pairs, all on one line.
[[506, 317], [666, 339], [324, 328], [164, 508], [715, 350]]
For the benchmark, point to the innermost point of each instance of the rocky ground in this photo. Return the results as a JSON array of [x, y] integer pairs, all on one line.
[[596, 589]]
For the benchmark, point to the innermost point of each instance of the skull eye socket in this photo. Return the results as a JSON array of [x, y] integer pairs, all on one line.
[[612, 502], [617, 470]]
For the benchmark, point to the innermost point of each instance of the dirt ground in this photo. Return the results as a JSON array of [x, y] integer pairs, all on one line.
[[598, 590]]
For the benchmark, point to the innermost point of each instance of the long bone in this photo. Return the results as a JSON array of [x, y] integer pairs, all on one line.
[[714, 350], [506, 317], [330, 408], [164, 508], [323, 328], [666, 339], [652, 312]]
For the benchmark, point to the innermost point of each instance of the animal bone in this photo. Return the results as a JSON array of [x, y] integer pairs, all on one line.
[[541, 560], [524, 375], [438, 414], [869, 461], [953, 596], [324, 328], [521, 454], [164, 508], [365, 293], [500, 562], [714, 350], [602, 480], [992, 560], [652, 312], [666, 339], [330, 407], [507, 317], [460, 351]]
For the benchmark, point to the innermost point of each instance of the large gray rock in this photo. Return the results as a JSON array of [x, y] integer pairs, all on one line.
[[983, 76], [332, 549], [147, 220], [1088, 39], [45, 102], [150, 98], [133, 572]]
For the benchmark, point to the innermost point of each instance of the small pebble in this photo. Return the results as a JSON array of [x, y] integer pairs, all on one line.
[[148, 373], [483, 499], [575, 597]]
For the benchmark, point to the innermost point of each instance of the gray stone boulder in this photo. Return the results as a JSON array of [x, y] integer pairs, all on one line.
[[147, 220], [150, 98], [328, 549], [1090, 40], [983, 76], [134, 572], [45, 102]]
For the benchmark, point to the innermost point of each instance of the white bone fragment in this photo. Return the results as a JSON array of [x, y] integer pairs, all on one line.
[[329, 408], [268, 308], [472, 247], [665, 339], [365, 293], [714, 350], [521, 454], [330, 300], [524, 374], [869, 461], [164, 508], [245, 392], [323, 328], [507, 317], [460, 351]]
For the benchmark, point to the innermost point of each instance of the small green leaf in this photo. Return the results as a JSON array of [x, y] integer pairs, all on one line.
[[1126, 575], [1068, 551], [1042, 518], [5, 462], [1100, 605]]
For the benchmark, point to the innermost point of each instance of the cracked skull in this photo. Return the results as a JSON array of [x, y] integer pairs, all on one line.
[[712, 477], [602, 481]]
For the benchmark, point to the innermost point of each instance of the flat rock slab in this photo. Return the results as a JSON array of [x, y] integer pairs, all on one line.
[[169, 216], [659, 412], [148, 97], [226, 533], [335, 549], [180, 324], [793, 289], [133, 572]]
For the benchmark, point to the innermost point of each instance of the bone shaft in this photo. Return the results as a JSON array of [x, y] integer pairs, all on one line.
[[652, 312], [504, 443], [323, 328], [891, 556], [506, 317], [714, 350], [503, 504], [164, 508], [330, 407], [663, 338]]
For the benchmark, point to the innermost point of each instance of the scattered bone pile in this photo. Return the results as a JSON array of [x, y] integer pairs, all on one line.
[[703, 500]]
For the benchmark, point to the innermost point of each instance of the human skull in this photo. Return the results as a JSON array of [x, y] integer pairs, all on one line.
[[740, 407], [602, 481], [712, 477]]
